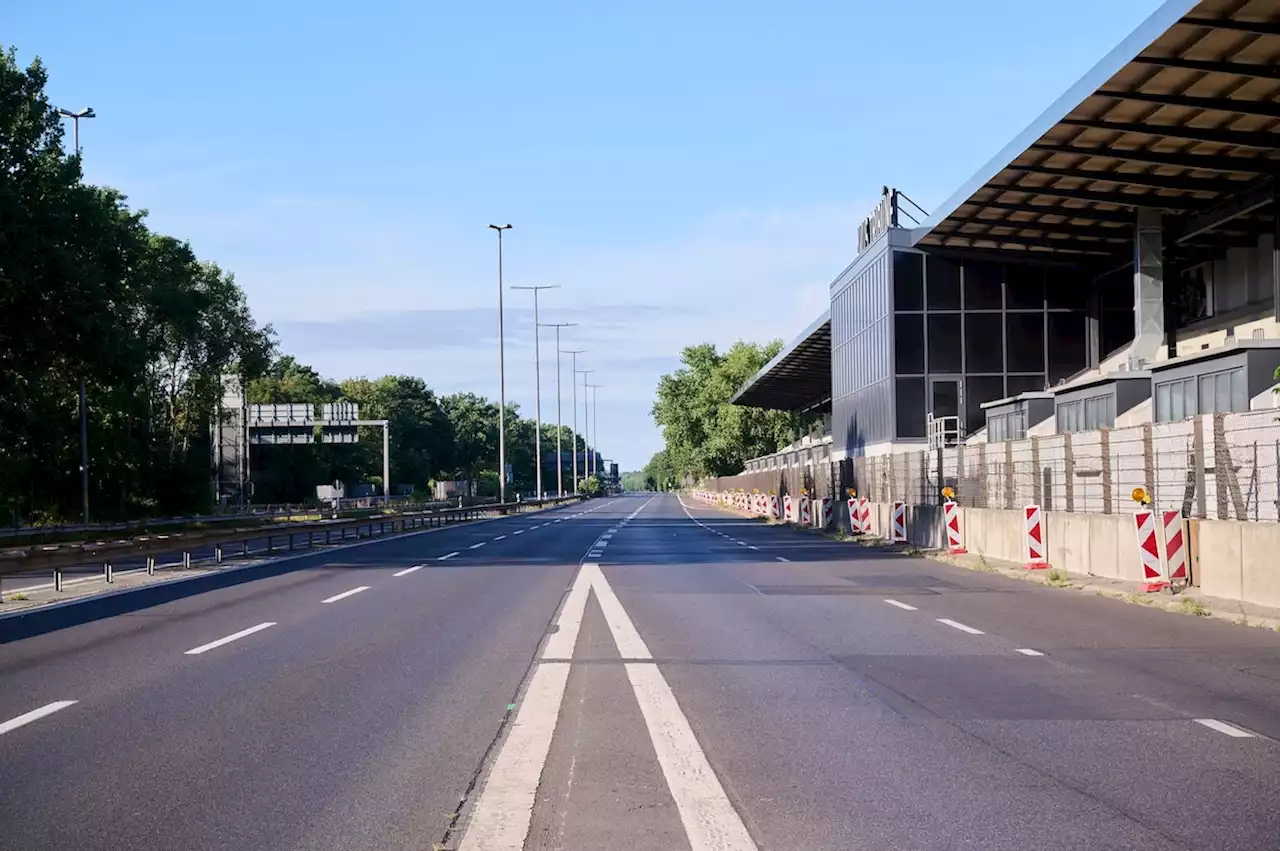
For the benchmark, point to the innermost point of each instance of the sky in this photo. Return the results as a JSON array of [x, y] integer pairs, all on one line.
[[683, 172]]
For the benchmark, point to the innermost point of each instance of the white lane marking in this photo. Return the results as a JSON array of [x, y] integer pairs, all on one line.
[[1221, 727], [501, 818], [960, 626], [902, 606], [614, 529], [560, 644], [1027, 651], [630, 644], [477, 546], [409, 570], [446, 556], [235, 636], [35, 715], [780, 558], [500, 538], [345, 594], [753, 548], [605, 537], [518, 532]]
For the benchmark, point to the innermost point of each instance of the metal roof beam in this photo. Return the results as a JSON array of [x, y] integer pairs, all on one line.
[[1265, 109], [1201, 162], [1123, 216], [1063, 229], [1120, 199], [1257, 27], [1240, 138], [1229, 209], [1080, 246], [1153, 181], [1214, 66]]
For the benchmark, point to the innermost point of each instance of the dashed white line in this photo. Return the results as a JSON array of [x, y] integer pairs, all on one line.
[[409, 570], [960, 626], [477, 546], [235, 636], [500, 538], [1027, 651], [35, 715], [780, 558], [753, 548], [518, 532], [446, 556], [902, 606], [345, 594], [1228, 729]]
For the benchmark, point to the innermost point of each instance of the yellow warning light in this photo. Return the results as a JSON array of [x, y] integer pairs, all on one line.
[[1141, 496]]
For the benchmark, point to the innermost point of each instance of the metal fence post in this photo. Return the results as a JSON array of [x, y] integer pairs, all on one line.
[[151, 564], [107, 572], [1107, 500]]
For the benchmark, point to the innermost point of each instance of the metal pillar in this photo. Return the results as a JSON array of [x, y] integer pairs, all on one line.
[[1148, 288]]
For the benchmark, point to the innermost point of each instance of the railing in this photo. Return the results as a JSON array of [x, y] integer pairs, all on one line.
[[108, 553], [942, 431]]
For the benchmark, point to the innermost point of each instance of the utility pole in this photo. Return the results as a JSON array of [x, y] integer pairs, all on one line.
[[75, 117], [559, 420], [573, 382], [595, 425], [537, 384], [502, 382], [586, 425]]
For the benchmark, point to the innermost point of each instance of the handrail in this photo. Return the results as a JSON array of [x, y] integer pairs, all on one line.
[[57, 556]]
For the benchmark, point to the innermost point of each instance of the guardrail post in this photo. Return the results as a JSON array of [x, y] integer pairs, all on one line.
[[270, 546], [57, 579], [186, 559], [217, 554], [290, 542], [327, 539], [244, 549], [151, 563], [107, 573]]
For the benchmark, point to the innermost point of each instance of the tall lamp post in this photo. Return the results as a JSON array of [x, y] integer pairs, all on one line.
[[573, 382], [75, 117], [502, 382], [537, 385], [595, 424], [586, 425], [559, 420]]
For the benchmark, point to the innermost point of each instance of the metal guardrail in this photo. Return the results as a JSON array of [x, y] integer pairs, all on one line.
[[56, 557]]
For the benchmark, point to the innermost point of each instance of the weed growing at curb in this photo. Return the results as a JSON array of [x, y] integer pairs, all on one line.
[[1189, 606], [1057, 578]]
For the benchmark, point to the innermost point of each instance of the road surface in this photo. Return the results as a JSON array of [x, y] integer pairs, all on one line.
[[632, 673]]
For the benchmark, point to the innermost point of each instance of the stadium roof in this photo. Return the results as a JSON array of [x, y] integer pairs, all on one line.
[[1181, 117], [798, 378]]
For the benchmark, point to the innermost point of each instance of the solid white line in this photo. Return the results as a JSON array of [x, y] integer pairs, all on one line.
[[960, 626], [196, 651], [902, 606], [1027, 651], [500, 537], [630, 644], [409, 570], [446, 556], [336, 597], [477, 546], [35, 715], [501, 818], [1214, 724], [780, 558], [560, 644]]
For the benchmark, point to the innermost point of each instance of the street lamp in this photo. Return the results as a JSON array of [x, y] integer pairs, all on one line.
[[537, 385], [75, 117], [595, 424], [586, 424], [573, 382], [502, 382], [559, 421]]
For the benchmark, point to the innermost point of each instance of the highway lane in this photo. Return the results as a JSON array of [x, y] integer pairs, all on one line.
[[357, 723], [706, 682]]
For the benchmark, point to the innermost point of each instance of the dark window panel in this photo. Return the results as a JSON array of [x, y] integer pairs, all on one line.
[[977, 390], [1116, 289], [1067, 288], [1025, 336], [944, 343], [983, 285], [983, 342], [1023, 287], [942, 281], [908, 281], [1116, 330], [1016, 384], [1068, 353], [908, 343], [910, 407]]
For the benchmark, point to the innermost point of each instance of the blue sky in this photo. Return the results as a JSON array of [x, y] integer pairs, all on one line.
[[685, 171]]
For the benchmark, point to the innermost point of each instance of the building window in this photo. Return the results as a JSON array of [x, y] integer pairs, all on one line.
[[1175, 400], [1088, 414], [1216, 393]]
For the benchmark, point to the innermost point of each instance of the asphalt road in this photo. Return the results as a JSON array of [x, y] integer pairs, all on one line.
[[639, 675]]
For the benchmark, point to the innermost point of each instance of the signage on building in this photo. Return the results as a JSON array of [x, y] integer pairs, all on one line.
[[883, 217]]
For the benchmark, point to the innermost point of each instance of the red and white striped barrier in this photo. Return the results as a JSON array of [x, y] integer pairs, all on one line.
[[1175, 549], [955, 541], [774, 510], [788, 509], [898, 528], [855, 516], [805, 518], [1037, 551], [864, 510], [1144, 522], [825, 514]]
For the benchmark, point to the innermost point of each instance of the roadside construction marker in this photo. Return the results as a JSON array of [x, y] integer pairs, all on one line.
[[1149, 551], [805, 519], [789, 509], [898, 529], [1035, 539], [1175, 550], [855, 516], [955, 541]]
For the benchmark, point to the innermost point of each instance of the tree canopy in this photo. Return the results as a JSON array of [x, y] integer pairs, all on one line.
[[703, 433]]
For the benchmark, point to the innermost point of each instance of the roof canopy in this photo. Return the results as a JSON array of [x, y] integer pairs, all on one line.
[[1181, 117], [799, 378]]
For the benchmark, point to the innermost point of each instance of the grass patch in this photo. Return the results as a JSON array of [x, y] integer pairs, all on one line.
[[1140, 599], [19, 596], [984, 565], [1058, 578], [913, 551], [1189, 606], [1242, 621]]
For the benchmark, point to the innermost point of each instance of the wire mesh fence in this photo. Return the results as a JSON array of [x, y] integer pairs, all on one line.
[[1219, 466]]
